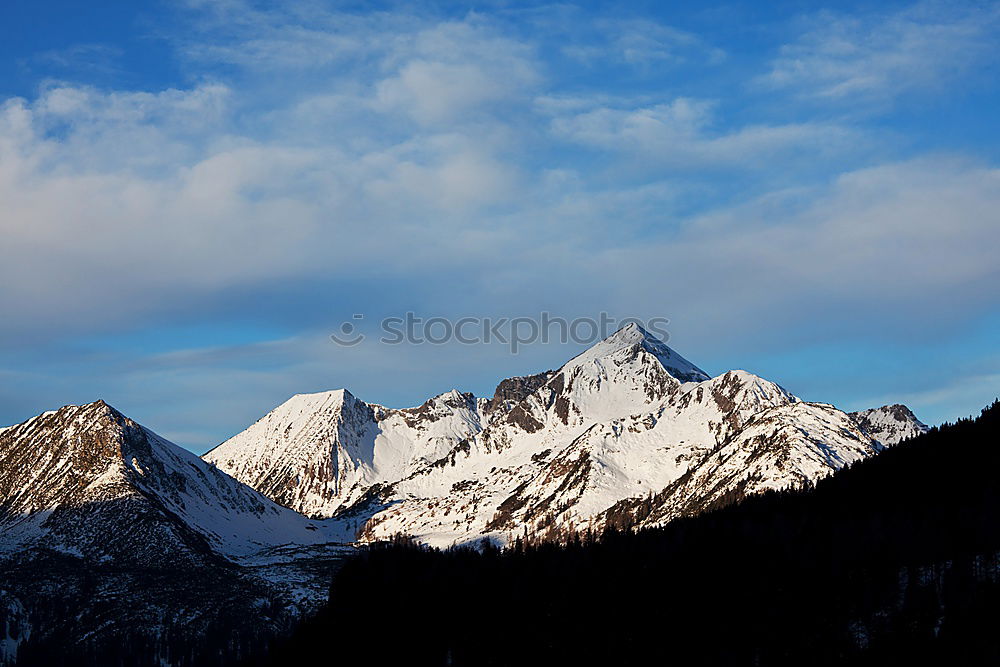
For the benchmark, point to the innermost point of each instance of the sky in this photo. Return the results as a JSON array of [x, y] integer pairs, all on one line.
[[195, 195]]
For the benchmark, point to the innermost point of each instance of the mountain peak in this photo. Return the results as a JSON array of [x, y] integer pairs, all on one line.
[[100, 407], [633, 335], [83, 420]]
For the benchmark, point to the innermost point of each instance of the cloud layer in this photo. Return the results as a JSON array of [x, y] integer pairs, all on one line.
[[314, 163]]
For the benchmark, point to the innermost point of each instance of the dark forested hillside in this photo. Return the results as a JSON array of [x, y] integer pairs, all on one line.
[[894, 560]]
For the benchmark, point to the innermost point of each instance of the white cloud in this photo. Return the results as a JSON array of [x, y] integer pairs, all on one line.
[[289, 35], [91, 58], [640, 42], [876, 57], [325, 159], [879, 249], [440, 92], [459, 183], [444, 73], [153, 200], [435, 71], [144, 201], [681, 133]]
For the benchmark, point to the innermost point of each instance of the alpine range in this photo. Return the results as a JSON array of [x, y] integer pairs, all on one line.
[[629, 428]]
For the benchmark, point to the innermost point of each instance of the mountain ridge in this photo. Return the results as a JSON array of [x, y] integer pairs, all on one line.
[[623, 419]]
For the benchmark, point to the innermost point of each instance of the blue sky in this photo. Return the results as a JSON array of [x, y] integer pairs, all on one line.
[[195, 194]]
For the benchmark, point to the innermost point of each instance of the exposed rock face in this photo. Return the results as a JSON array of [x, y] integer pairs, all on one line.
[[890, 424], [626, 421], [513, 390]]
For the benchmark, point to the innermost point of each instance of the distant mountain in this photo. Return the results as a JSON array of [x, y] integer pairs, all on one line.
[[890, 424], [625, 420]]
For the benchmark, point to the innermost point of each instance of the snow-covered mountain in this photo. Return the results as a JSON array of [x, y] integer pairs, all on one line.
[[87, 480], [109, 531], [317, 453], [625, 421]]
